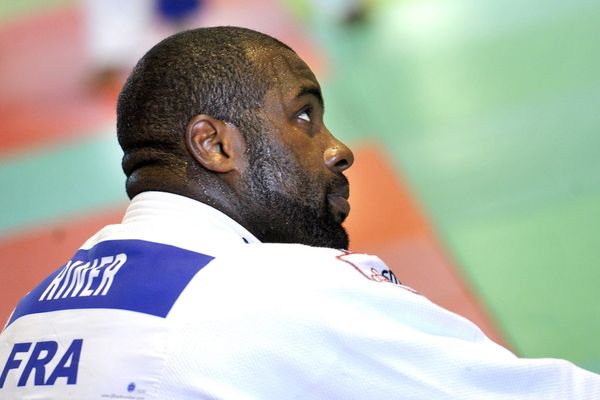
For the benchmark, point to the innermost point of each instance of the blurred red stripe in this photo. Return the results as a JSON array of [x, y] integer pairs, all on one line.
[[386, 221]]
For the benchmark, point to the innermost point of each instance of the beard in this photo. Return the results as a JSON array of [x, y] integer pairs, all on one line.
[[284, 203]]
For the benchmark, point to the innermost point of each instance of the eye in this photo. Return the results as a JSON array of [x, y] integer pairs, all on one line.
[[305, 115]]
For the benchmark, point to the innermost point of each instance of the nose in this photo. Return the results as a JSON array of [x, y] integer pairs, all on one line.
[[338, 157]]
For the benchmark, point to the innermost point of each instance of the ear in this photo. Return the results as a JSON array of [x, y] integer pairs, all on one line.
[[215, 145]]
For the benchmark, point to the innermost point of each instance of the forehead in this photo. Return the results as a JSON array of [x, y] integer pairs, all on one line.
[[285, 71]]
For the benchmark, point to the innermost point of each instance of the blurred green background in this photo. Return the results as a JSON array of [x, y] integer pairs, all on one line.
[[491, 110]]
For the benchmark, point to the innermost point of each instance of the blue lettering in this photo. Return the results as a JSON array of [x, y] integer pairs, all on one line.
[[389, 274], [68, 365], [42, 354], [38, 362], [394, 279], [12, 362]]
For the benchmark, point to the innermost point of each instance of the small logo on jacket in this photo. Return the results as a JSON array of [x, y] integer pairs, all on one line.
[[372, 268]]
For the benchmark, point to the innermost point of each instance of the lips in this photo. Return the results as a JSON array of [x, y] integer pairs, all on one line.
[[338, 200], [339, 207]]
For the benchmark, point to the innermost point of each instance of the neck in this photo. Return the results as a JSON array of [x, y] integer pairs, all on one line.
[[210, 189]]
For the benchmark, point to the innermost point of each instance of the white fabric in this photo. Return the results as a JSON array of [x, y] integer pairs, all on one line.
[[273, 321]]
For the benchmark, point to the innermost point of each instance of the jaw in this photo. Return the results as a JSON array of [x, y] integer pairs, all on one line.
[[296, 223]]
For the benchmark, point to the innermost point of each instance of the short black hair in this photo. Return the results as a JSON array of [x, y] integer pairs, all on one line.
[[200, 71]]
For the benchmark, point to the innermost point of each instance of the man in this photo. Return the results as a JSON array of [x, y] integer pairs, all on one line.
[[196, 293]]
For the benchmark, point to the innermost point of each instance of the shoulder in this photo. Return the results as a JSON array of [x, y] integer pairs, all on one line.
[[295, 267], [289, 254], [297, 257]]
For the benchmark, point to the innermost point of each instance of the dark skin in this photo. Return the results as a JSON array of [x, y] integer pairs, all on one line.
[[304, 160]]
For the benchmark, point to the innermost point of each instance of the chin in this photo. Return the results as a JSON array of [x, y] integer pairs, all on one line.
[[333, 236], [283, 219], [342, 241]]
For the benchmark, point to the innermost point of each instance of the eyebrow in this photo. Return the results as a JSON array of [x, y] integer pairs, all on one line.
[[311, 90]]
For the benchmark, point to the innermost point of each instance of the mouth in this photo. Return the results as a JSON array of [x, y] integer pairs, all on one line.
[[338, 203], [340, 208]]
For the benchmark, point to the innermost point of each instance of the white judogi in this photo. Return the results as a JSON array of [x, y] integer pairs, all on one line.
[[180, 302]]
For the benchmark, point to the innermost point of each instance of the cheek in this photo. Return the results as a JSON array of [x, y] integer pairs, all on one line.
[[308, 153], [301, 181], [294, 164], [312, 172]]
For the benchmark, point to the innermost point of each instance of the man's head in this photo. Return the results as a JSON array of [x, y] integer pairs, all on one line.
[[234, 118]]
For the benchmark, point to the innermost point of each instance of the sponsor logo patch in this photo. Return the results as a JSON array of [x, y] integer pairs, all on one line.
[[372, 268]]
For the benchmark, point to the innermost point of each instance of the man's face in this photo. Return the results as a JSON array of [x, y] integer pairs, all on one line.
[[294, 180]]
